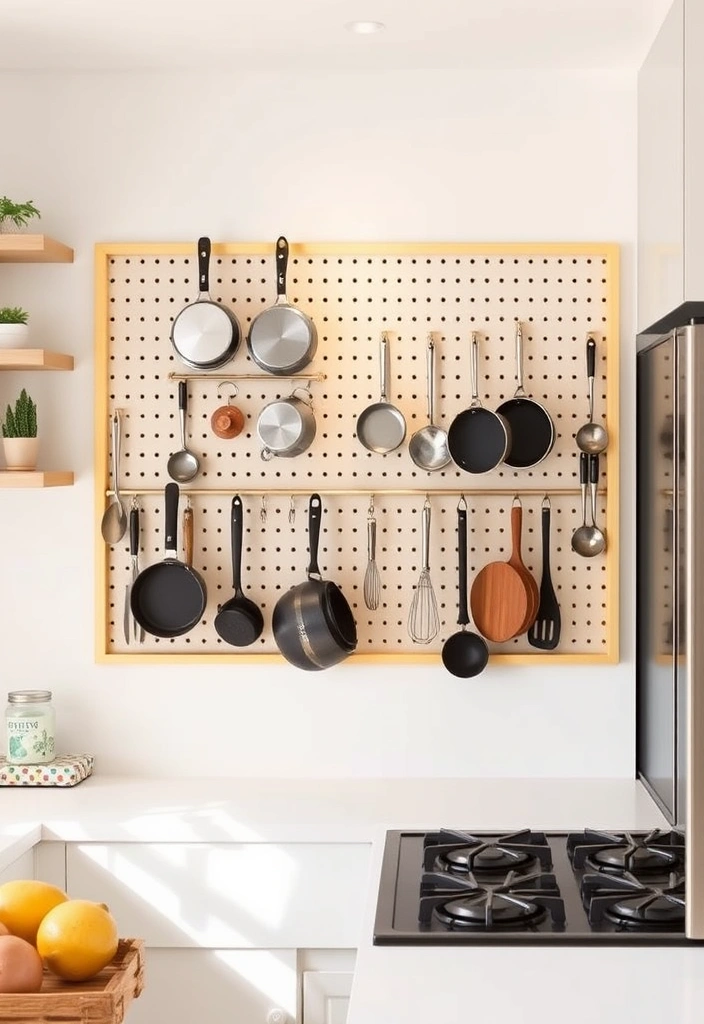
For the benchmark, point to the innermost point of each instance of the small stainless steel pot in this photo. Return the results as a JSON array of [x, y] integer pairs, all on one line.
[[287, 426]]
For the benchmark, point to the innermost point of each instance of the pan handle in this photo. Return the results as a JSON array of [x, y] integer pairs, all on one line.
[[236, 531], [383, 365], [281, 268], [315, 511], [204, 266], [463, 617], [474, 371], [591, 366], [431, 380], [171, 495], [520, 390]]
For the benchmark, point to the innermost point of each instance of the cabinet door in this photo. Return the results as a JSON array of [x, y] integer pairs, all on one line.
[[23, 867], [216, 986], [326, 996]]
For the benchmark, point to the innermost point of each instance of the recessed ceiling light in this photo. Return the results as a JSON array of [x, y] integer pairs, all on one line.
[[365, 28]]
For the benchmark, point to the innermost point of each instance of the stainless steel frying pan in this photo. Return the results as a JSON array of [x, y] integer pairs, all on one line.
[[205, 335], [381, 427], [282, 339]]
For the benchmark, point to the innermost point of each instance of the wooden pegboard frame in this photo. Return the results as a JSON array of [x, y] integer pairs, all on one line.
[[559, 292]]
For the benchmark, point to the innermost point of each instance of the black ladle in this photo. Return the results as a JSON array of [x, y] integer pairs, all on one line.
[[464, 654], [239, 621]]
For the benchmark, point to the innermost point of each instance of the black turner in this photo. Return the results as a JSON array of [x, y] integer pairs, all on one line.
[[545, 631]]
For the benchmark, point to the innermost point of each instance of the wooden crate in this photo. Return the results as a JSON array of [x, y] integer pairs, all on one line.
[[102, 1000]]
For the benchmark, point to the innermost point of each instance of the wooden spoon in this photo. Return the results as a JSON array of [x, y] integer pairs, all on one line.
[[499, 601], [516, 560]]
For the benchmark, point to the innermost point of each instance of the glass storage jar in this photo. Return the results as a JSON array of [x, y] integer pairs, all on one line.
[[29, 727]]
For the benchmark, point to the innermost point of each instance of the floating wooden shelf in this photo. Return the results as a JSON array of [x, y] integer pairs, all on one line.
[[35, 478], [34, 359], [19, 248]]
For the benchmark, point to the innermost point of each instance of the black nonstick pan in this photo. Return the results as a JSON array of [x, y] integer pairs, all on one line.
[[205, 335], [312, 623], [168, 598], [532, 429], [478, 438], [239, 621], [282, 339]]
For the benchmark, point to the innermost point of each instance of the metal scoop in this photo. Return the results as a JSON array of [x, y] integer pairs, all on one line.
[[114, 522], [588, 541], [592, 438], [182, 465], [428, 446]]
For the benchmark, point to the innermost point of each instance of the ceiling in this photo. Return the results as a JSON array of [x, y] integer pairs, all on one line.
[[295, 35]]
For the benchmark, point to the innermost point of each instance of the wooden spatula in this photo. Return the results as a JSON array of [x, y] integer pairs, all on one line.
[[516, 560], [499, 601]]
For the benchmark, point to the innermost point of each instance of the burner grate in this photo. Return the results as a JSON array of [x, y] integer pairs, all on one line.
[[518, 902], [632, 903], [616, 853], [463, 853]]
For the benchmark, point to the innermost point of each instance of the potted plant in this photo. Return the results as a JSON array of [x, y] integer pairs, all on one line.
[[16, 215], [13, 326], [19, 434]]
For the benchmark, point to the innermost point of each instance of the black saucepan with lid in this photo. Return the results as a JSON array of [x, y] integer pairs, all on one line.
[[313, 624]]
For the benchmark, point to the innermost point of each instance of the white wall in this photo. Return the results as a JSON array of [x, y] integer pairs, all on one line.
[[432, 155]]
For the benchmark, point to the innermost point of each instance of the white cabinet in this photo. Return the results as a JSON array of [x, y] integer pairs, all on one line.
[[326, 984], [22, 867], [216, 986], [671, 166]]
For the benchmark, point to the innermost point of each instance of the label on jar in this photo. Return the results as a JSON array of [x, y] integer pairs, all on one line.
[[29, 741]]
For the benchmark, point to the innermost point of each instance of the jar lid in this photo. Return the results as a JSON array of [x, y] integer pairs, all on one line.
[[28, 696]]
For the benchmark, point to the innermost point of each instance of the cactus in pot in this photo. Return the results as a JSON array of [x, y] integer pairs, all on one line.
[[19, 434]]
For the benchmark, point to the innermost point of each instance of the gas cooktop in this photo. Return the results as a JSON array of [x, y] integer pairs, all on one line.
[[458, 887]]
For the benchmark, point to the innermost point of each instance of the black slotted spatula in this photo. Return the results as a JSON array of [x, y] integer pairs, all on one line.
[[545, 631]]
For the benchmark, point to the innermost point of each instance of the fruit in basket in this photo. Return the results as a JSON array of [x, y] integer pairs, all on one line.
[[77, 938], [21, 968], [23, 904]]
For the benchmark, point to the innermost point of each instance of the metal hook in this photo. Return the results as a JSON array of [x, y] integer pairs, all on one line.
[[426, 503], [232, 385], [517, 501], [370, 510], [262, 510], [545, 502], [462, 503], [292, 511]]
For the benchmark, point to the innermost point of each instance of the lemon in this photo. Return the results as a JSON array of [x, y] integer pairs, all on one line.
[[23, 904], [77, 938]]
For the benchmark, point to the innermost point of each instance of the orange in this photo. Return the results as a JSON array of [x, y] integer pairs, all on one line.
[[23, 904], [77, 939]]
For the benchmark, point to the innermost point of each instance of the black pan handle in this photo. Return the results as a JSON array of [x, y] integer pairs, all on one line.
[[593, 469], [281, 266], [236, 532], [583, 468], [591, 357], [463, 617], [315, 512], [545, 524], [171, 495], [182, 395], [204, 265], [134, 531]]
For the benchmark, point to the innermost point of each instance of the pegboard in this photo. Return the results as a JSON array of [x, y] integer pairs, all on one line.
[[353, 293]]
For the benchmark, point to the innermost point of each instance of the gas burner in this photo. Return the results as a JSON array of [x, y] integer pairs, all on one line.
[[626, 901], [518, 903], [461, 853], [617, 853]]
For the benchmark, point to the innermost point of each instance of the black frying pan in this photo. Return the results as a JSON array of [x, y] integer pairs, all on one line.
[[478, 438], [205, 335], [532, 429], [168, 598], [312, 623], [239, 621]]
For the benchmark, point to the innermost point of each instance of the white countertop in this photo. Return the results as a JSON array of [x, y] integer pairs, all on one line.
[[411, 984]]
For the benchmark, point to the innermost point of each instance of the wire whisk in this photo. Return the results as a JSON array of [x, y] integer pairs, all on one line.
[[423, 619], [372, 582]]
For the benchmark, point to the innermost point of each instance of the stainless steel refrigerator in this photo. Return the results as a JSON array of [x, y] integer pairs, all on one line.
[[670, 582]]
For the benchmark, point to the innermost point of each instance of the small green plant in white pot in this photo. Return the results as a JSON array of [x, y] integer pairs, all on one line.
[[14, 330], [19, 434], [16, 215]]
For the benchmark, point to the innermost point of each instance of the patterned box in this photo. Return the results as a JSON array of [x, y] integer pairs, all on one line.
[[67, 770]]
